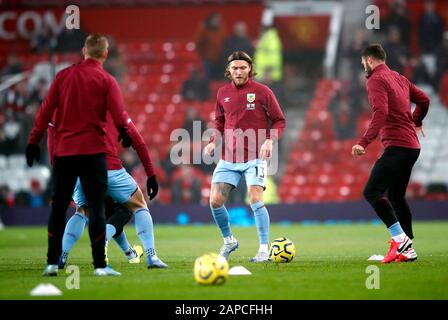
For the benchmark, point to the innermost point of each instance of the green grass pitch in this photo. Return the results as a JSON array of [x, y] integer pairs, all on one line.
[[330, 263]]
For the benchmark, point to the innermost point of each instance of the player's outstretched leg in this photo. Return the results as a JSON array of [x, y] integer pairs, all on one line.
[[73, 231], [145, 231], [219, 195], [221, 217], [262, 224], [117, 217], [132, 253]]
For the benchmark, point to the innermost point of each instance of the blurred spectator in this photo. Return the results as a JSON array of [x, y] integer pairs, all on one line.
[[10, 135], [193, 122], [195, 126], [114, 63], [268, 56], [430, 36], [6, 197], [344, 118], [443, 89], [26, 125], [430, 29], [15, 98], [186, 185], [418, 71], [354, 51], [195, 87], [437, 191], [296, 87], [397, 53], [44, 40], [162, 178], [441, 60], [398, 18], [238, 41], [129, 160], [46, 70], [36, 196], [39, 92], [13, 66], [275, 86], [70, 40], [358, 94], [209, 43]]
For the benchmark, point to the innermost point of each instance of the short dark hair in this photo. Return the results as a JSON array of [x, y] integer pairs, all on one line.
[[240, 55], [96, 44], [375, 51]]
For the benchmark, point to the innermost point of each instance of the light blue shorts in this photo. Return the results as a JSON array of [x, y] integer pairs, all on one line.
[[120, 187], [254, 172]]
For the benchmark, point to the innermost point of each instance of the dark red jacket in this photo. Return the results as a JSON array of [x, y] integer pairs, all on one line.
[[390, 96], [251, 106], [79, 98], [112, 158]]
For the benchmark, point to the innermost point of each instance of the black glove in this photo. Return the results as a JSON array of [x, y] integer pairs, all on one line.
[[152, 187], [125, 139], [32, 152]]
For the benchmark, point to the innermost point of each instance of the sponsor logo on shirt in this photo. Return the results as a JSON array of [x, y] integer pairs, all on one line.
[[226, 99]]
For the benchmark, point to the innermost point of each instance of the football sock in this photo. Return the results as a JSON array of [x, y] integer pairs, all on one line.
[[144, 228], [123, 242], [221, 217], [261, 221], [110, 232], [73, 231], [396, 232]]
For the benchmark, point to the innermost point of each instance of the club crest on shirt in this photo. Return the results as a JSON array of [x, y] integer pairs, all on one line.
[[250, 97], [251, 100]]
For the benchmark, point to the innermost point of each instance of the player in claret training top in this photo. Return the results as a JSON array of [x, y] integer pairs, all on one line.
[[390, 95], [250, 120]]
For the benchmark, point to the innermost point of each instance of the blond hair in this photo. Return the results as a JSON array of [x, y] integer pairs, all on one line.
[[96, 45], [239, 55]]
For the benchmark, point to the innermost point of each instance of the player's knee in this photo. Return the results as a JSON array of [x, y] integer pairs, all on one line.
[[371, 195], [254, 198], [137, 201], [216, 200], [255, 195]]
